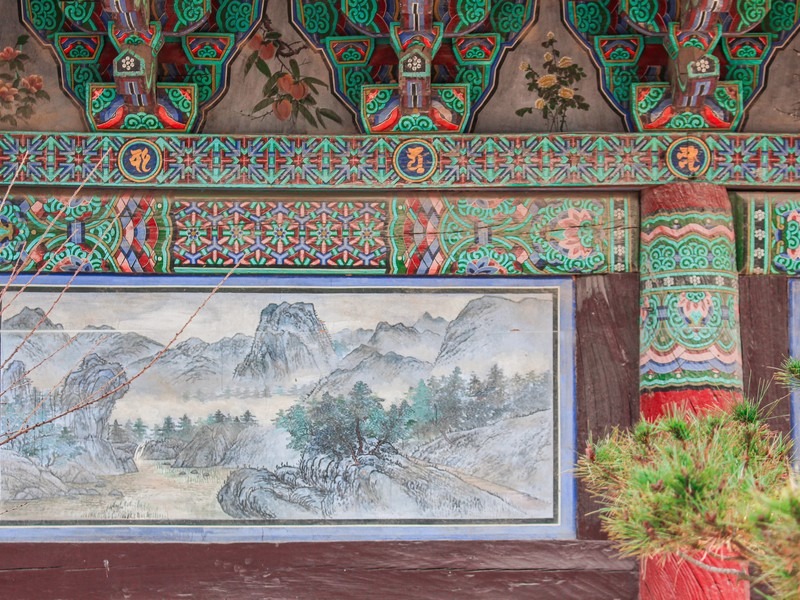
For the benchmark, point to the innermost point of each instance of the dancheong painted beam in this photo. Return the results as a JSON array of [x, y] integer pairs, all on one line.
[[140, 231], [369, 163]]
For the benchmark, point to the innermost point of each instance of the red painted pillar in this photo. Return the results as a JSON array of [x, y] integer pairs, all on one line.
[[690, 349]]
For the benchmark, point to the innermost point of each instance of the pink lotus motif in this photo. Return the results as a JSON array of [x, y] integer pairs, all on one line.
[[695, 306], [577, 236]]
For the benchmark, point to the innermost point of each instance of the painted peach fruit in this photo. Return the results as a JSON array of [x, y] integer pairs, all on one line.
[[282, 109], [299, 91], [267, 51], [285, 83]]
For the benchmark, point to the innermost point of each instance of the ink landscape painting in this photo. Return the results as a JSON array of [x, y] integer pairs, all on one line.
[[279, 406]]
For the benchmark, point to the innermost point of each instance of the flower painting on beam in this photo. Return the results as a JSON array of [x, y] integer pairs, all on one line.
[[19, 91], [286, 93], [554, 86]]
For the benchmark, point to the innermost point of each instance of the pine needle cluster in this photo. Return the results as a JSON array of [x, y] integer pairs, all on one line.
[[777, 532], [776, 521], [685, 482]]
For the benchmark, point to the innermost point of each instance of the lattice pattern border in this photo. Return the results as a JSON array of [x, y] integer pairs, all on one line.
[[426, 234]]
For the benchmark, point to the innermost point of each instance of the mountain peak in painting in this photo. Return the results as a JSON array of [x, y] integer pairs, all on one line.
[[290, 341], [406, 341], [518, 332], [29, 319], [429, 323]]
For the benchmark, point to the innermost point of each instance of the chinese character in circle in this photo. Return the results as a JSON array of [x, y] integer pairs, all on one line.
[[414, 159], [687, 158], [140, 159]]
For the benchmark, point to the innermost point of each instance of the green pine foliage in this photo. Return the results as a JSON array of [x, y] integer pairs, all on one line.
[[776, 521], [789, 374], [349, 425], [685, 482], [776, 553], [361, 423]]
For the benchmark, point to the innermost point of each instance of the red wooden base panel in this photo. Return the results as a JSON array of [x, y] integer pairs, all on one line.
[[677, 579], [539, 570], [655, 404]]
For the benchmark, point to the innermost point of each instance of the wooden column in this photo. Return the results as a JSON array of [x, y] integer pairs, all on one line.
[[690, 346]]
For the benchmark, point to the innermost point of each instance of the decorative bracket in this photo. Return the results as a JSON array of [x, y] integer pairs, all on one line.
[[413, 65], [136, 65], [716, 52]]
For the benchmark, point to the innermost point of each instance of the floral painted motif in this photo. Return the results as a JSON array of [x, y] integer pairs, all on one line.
[[792, 235], [771, 237], [554, 87], [545, 234], [576, 234], [695, 307], [19, 93], [689, 334]]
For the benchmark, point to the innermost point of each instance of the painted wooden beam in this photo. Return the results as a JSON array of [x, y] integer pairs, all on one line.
[[690, 344], [589, 161]]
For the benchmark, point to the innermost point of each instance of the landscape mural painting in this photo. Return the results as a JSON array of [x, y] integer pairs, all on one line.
[[426, 404]]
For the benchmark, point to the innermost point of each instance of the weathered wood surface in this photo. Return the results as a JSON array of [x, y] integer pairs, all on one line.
[[764, 318], [403, 570], [607, 348]]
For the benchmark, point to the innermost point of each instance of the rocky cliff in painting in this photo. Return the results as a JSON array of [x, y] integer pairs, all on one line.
[[23, 479], [88, 397], [290, 344], [71, 450], [426, 484]]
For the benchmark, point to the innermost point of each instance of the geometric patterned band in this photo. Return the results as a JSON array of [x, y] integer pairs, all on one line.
[[369, 163], [494, 234]]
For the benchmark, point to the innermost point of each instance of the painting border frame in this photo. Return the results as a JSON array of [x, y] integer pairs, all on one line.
[[563, 528]]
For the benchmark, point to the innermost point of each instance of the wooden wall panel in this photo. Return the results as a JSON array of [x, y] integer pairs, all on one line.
[[607, 379], [764, 317], [325, 571], [607, 394]]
